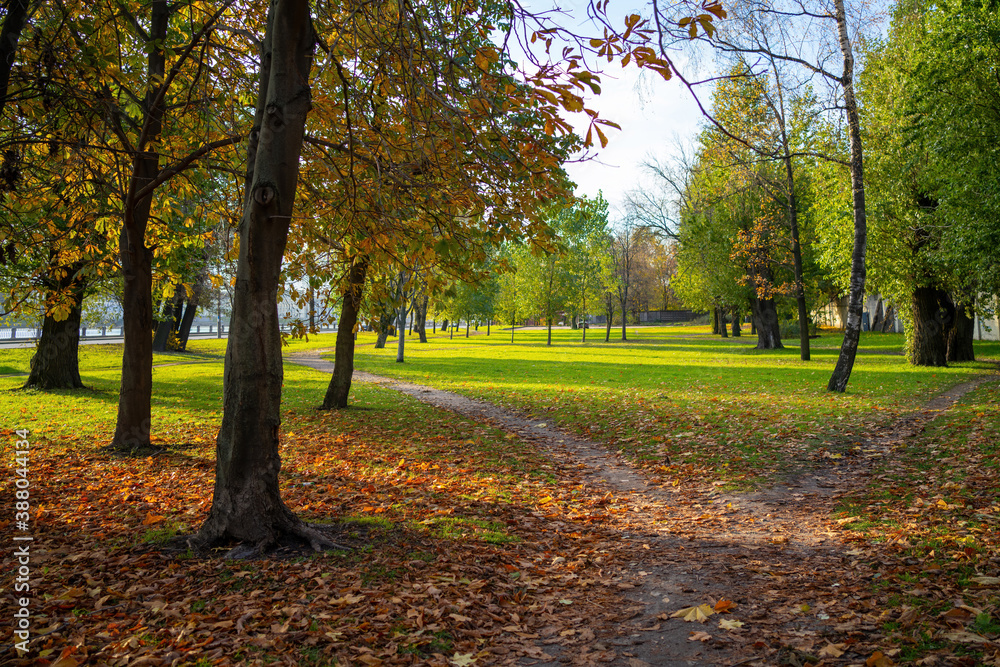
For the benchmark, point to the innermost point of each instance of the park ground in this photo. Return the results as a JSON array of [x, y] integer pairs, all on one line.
[[674, 499]]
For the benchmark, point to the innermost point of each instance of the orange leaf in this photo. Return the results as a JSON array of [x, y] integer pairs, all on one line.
[[151, 519], [878, 659], [722, 606]]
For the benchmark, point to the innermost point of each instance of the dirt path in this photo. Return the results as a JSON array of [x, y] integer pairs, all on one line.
[[776, 553]]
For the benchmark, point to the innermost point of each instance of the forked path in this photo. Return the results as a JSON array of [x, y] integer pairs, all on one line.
[[776, 553]]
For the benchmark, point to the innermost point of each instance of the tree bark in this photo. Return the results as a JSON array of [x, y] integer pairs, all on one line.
[[852, 327], [190, 310], [926, 342], [715, 321], [247, 504], [339, 389], [961, 335], [401, 330], [736, 324], [385, 324], [721, 313], [168, 324], [549, 342], [765, 314], [420, 315], [56, 362], [10, 35], [134, 415], [609, 308]]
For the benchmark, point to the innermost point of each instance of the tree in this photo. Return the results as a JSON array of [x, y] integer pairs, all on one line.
[[786, 29], [932, 221], [624, 248], [246, 502]]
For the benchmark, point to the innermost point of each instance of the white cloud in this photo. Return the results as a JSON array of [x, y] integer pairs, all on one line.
[[652, 113]]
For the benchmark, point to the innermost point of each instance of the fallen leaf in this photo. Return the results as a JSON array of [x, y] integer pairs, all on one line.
[[699, 636], [462, 659], [722, 606], [965, 638], [727, 624], [699, 613], [986, 581], [832, 650], [151, 519], [879, 659]]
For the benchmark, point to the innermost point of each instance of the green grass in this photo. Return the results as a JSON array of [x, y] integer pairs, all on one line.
[[702, 400]]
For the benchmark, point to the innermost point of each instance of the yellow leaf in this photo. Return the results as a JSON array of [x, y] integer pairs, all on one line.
[[151, 519], [727, 624], [699, 613], [462, 659]]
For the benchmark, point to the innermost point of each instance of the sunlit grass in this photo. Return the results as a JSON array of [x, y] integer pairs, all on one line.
[[678, 391]]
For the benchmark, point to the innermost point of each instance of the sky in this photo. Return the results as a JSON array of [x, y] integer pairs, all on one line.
[[654, 114]]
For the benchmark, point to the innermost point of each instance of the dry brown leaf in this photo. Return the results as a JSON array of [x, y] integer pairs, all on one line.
[[986, 581], [832, 650], [879, 659], [699, 636], [965, 638]]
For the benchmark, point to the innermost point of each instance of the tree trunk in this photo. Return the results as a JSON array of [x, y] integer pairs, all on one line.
[[184, 331], [549, 323], [736, 324], [385, 323], [609, 308], [961, 336], [134, 416], [489, 323], [339, 388], [768, 327], [246, 504], [925, 344], [401, 330], [721, 312], [466, 328], [715, 321], [56, 362], [889, 323], [168, 324], [10, 35], [420, 315], [852, 327]]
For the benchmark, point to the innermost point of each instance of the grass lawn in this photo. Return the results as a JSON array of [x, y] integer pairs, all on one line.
[[716, 405]]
